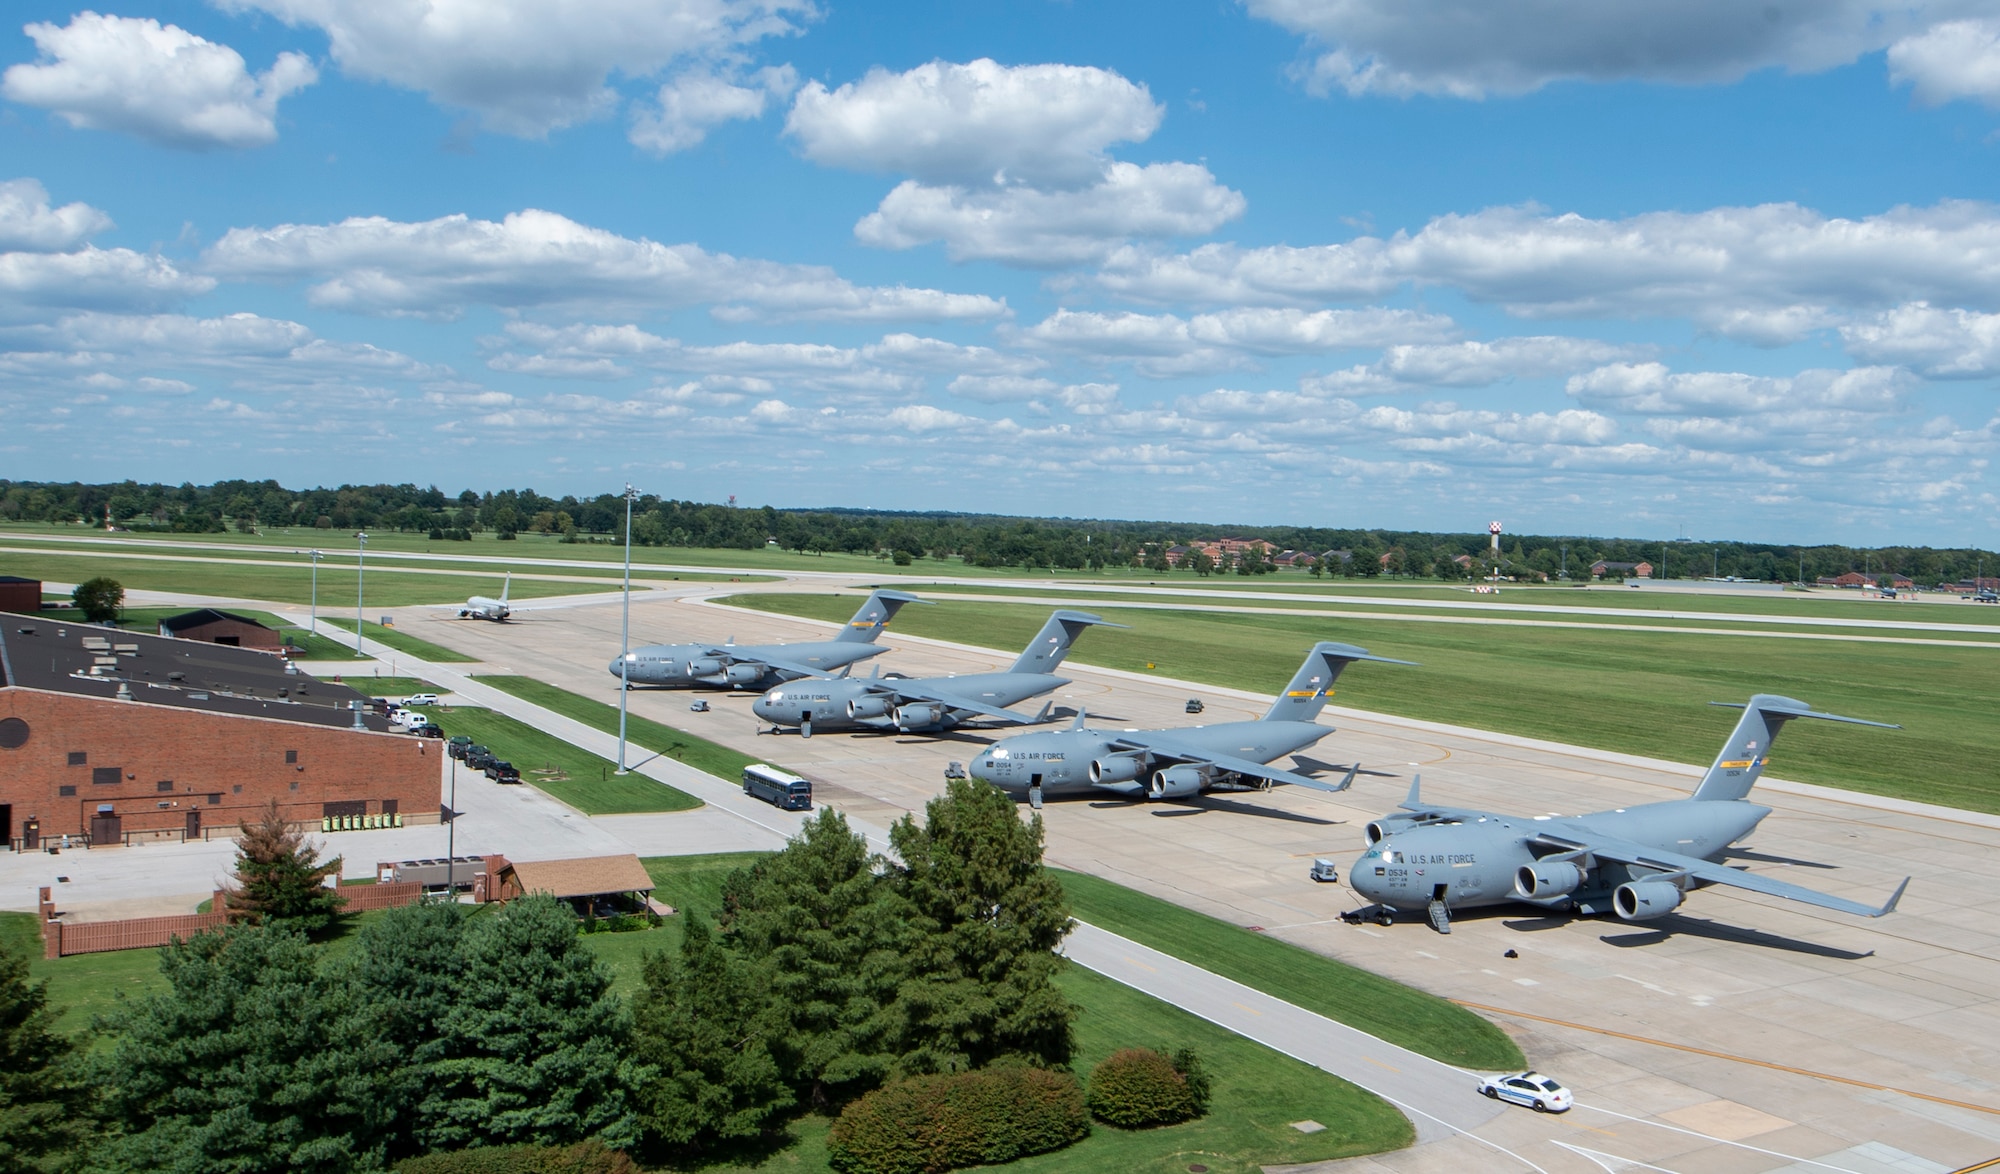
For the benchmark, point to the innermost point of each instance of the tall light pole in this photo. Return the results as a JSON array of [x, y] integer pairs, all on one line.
[[451, 837], [625, 633], [312, 625], [360, 573]]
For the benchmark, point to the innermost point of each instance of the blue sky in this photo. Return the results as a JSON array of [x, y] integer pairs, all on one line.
[[1640, 268]]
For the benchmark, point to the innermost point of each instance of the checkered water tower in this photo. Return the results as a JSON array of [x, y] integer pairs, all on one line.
[[1493, 536]]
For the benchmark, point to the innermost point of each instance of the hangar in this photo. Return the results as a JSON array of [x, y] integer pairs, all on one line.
[[109, 736], [18, 594], [220, 627]]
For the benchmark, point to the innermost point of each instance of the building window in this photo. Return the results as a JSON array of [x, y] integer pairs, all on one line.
[[78, 758], [105, 776], [237, 789], [215, 799], [66, 791], [164, 785], [291, 756], [295, 786]]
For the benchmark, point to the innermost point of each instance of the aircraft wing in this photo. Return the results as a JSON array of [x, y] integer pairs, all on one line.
[[909, 690], [734, 655], [1709, 872], [1175, 751]]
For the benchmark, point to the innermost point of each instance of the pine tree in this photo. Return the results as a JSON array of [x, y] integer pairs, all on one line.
[[695, 1024], [408, 969], [534, 1042], [43, 1098], [279, 878], [987, 918], [254, 1060], [828, 937]]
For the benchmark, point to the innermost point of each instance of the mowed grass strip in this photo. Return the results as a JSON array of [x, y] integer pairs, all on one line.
[[401, 641], [1632, 692], [1258, 1092], [586, 782], [1379, 1006], [700, 753], [267, 579], [311, 646]]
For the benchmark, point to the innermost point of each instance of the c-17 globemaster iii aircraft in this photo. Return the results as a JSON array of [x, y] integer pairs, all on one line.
[[1638, 862], [920, 704], [760, 666], [1178, 764], [479, 607]]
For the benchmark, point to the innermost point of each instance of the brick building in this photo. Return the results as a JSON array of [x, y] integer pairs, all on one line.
[[220, 627], [18, 594], [159, 738]]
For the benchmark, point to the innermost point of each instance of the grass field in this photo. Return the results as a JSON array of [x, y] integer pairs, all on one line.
[[583, 780], [147, 619], [388, 686], [1635, 692], [1402, 1015], [261, 577], [401, 641], [700, 753]]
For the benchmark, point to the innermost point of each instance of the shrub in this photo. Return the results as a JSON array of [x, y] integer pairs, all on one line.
[[930, 1124], [587, 1158], [1137, 1087]]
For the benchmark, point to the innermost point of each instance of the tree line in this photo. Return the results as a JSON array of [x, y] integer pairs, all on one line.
[[832, 974], [978, 540]]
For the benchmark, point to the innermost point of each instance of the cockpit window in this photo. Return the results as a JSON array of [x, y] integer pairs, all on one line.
[[999, 752], [1388, 856]]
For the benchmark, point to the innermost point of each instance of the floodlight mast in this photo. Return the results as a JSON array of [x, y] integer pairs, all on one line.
[[625, 633], [312, 624], [360, 575]]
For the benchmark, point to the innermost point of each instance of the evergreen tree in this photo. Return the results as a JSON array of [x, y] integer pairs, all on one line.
[[253, 1060], [279, 877], [987, 918], [696, 1025], [534, 1041], [828, 939], [43, 1098], [408, 969]]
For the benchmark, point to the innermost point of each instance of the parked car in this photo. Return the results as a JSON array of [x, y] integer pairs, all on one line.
[[428, 730], [421, 699], [458, 745], [477, 756], [496, 767], [699, 706], [1530, 1088], [1194, 705], [1324, 871], [1986, 597]]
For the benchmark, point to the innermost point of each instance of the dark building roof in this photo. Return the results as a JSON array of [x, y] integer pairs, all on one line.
[[206, 616], [90, 661], [19, 579]]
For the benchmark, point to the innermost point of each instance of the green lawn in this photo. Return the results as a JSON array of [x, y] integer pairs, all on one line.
[[1636, 692], [147, 619], [700, 753], [388, 686], [1397, 1013], [259, 576], [401, 641], [581, 779]]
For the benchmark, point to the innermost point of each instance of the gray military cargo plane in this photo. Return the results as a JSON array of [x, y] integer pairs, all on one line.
[[1182, 763], [744, 666], [1639, 862], [927, 704]]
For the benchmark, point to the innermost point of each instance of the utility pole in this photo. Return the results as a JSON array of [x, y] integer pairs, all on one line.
[[451, 836], [312, 625], [625, 634], [360, 573]]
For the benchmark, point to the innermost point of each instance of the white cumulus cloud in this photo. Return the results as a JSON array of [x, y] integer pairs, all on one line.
[[528, 67], [28, 223], [1472, 48], [158, 82], [536, 258], [1940, 343], [1651, 389], [1468, 364], [688, 107], [1957, 59], [980, 122]]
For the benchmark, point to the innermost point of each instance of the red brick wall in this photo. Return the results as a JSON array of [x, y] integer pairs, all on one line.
[[247, 635], [21, 597], [239, 759]]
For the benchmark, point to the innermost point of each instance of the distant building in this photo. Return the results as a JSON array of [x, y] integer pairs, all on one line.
[[1602, 567], [20, 595], [161, 738], [210, 626]]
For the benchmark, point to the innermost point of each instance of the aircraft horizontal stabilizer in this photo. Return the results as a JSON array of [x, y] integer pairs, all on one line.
[[1787, 708]]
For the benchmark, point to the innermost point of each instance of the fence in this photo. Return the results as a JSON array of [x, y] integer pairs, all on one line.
[[61, 939]]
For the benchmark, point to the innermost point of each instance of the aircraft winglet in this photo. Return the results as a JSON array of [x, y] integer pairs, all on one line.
[[1078, 723], [1889, 906]]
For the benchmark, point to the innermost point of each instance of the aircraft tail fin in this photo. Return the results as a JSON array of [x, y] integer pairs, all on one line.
[[1081, 717], [1748, 749], [1313, 683], [875, 614], [506, 585], [1045, 653]]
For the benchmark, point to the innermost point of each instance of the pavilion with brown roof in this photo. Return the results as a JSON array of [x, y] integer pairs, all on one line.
[[579, 879]]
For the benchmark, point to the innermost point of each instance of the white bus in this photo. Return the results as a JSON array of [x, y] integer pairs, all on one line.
[[780, 788]]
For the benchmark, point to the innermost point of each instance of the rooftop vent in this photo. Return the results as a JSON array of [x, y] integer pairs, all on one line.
[[177, 676], [27, 631]]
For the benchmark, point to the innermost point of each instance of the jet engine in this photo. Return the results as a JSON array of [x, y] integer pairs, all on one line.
[[1545, 880], [873, 705], [706, 666], [1177, 782], [1118, 768], [918, 717], [733, 675], [1381, 829], [1645, 900]]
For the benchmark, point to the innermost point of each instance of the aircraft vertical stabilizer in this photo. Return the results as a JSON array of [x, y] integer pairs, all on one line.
[[1743, 756], [875, 614], [506, 585], [1313, 683], [1045, 653]]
